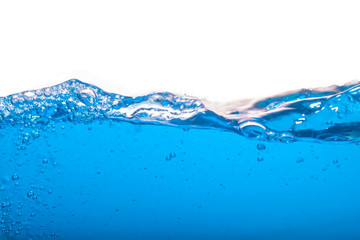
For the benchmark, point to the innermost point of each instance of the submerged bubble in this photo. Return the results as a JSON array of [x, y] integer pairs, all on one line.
[[252, 129], [87, 96], [15, 177], [35, 134], [30, 194], [170, 156], [287, 138], [261, 147], [26, 138]]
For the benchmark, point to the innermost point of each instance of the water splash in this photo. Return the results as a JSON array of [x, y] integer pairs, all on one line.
[[329, 114], [81, 163]]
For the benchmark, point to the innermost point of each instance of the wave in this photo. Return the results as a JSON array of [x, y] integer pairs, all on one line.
[[329, 114]]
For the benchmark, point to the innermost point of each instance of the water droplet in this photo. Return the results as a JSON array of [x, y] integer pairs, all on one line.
[[261, 147]]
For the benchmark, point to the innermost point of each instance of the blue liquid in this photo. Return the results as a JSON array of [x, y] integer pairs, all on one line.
[[80, 163]]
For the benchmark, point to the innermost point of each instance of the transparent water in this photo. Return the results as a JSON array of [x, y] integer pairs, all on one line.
[[81, 163]]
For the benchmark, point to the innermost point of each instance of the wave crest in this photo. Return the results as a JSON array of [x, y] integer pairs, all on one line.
[[329, 114]]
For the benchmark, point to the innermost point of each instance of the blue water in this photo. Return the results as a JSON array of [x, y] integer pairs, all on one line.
[[80, 163]]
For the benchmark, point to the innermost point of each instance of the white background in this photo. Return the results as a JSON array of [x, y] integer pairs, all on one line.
[[221, 50]]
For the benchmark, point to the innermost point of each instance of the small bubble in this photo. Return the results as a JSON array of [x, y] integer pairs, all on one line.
[[287, 138], [300, 160], [261, 147], [252, 129], [45, 161], [5, 204], [26, 138], [35, 134], [47, 92], [30, 194], [15, 177], [260, 159], [170, 156]]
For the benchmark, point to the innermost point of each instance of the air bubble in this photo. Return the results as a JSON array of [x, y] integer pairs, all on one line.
[[35, 134], [252, 129], [261, 147], [170, 156], [287, 138], [47, 92], [87, 96], [260, 159], [15, 177], [26, 138], [30, 194]]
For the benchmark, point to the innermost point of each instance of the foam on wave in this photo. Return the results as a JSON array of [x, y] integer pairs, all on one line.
[[330, 114]]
